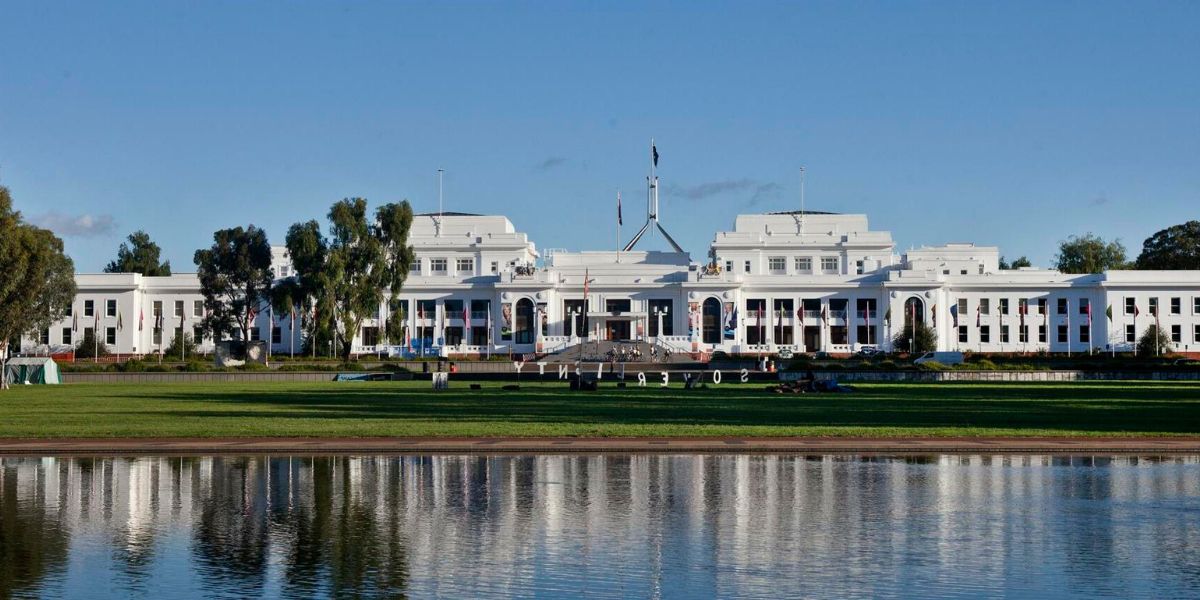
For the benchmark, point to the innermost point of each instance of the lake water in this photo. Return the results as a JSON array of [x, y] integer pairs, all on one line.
[[600, 526]]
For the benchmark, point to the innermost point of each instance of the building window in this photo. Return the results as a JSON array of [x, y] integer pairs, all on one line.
[[1130, 334], [860, 266], [962, 272], [464, 266], [985, 306], [1085, 336], [44, 337], [1042, 306], [1130, 305], [747, 267], [803, 264], [156, 338], [1196, 305], [197, 334], [1042, 334], [110, 336], [495, 267], [414, 268], [255, 334], [962, 334], [89, 308], [1177, 333], [985, 334], [829, 264], [283, 271], [1084, 303], [198, 308], [1004, 306], [618, 305], [179, 308], [70, 310], [728, 266], [1154, 306], [1004, 334], [1196, 333], [1023, 334], [1022, 306], [1063, 334], [66, 336], [1062, 306], [962, 308], [110, 308], [437, 266], [1176, 306], [777, 265], [277, 335]]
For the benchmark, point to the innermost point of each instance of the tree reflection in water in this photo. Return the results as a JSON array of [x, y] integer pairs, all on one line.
[[604, 525]]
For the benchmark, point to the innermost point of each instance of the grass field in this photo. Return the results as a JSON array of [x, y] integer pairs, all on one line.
[[411, 409]]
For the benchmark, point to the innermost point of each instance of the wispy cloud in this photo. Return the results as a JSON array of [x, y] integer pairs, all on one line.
[[550, 163], [754, 191], [75, 225]]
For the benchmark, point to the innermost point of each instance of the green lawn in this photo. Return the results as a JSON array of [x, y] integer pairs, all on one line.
[[411, 409]]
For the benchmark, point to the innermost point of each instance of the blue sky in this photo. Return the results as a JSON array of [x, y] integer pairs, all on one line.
[[1014, 124]]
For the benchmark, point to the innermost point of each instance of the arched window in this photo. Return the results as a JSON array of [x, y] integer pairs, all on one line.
[[711, 321], [913, 306], [524, 324]]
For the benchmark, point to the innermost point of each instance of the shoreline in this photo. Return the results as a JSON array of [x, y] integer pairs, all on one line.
[[570, 445]]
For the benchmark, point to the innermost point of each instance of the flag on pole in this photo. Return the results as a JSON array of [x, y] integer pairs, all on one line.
[[887, 316], [977, 315], [799, 314], [74, 321], [933, 317], [619, 221], [824, 315], [1089, 315], [141, 319], [466, 320], [954, 314], [654, 149], [1108, 313], [120, 323]]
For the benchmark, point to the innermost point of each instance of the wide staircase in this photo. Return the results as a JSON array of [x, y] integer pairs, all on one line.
[[602, 351]]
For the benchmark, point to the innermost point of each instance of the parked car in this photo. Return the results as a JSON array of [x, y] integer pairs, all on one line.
[[870, 351], [786, 354], [946, 358]]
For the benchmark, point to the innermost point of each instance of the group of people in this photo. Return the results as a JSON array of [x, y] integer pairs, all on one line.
[[633, 353]]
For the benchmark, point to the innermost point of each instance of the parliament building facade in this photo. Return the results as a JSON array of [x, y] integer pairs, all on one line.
[[798, 281]]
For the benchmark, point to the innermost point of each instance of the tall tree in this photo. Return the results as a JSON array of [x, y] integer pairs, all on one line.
[[235, 279], [37, 279], [140, 255], [346, 274], [914, 340], [1089, 253], [1174, 248], [1020, 262], [394, 222]]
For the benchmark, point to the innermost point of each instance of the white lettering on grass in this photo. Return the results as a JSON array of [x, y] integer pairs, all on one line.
[[745, 375], [716, 377], [641, 379], [666, 378]]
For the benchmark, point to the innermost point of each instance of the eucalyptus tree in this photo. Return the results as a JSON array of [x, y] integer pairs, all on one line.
[[140, 255], [235, 279], [344, 275], [37, 278]]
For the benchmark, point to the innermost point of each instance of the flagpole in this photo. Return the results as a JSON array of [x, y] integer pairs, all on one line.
[[439, 223], [618, 228]]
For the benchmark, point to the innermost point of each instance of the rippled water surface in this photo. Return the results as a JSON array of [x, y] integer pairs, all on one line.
[[638, 526]]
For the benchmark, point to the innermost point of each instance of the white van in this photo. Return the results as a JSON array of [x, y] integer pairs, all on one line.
[[946, 358]]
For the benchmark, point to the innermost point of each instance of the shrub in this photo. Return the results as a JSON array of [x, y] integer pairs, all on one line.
[[88, 348], [887, 365], [252, 366], [195, 366], [932, 365]]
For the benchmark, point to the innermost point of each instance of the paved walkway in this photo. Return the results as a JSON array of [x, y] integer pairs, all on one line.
[[159, 446]]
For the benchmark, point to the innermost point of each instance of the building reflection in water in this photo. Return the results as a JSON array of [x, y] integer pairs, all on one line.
[[602, 525]]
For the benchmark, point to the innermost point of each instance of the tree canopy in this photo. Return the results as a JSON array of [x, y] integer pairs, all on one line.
[[140, 255], [37, 279], [1021, 261], [343, 276], [914, 340], [1174, 248], [235, 279], [1089, 253]]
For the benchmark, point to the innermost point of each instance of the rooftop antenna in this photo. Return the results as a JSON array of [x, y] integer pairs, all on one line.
[[652, 206], [439, 219]]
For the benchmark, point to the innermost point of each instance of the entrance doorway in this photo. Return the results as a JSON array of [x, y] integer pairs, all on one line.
[[617, 330]]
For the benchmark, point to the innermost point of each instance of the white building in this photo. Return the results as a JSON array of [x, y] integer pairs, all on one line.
[[802, 281]]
